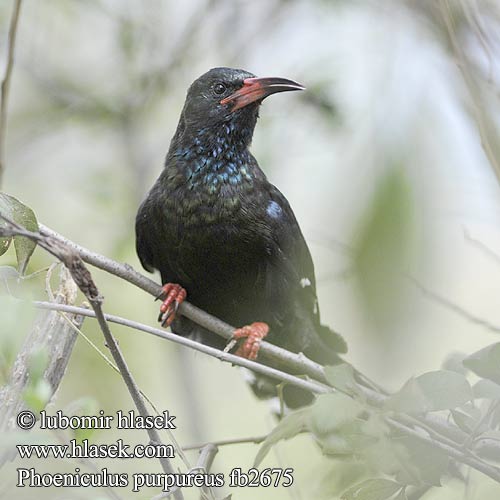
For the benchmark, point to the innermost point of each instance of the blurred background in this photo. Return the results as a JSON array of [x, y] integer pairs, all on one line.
[[390, 161]]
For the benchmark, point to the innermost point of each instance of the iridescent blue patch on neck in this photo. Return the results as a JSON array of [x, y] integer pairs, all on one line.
[[273, 209], [216, 160]]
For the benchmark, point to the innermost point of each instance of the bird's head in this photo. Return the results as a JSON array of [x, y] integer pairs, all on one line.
[[229, 96]]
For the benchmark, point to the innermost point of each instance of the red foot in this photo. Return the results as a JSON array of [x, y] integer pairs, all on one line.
[[253, 335], [173, 296]]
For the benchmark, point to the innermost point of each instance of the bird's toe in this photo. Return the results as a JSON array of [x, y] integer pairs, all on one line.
[[173, 296], [252, 335]]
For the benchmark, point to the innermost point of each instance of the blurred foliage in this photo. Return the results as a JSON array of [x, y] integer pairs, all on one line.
[[37, 391], [83, 406], [384, 248], [367, 445], [432, 391]]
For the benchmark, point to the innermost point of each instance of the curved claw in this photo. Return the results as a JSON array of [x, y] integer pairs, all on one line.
[[253, 335], [173, 296]]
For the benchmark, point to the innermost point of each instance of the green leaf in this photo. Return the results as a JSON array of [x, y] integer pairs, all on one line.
[[465, 421], [289, 427], [372, 489], [386, 456], [340, 476], [24, 216], [486, 362], [83, 406], [37, 363], [38, 390], [336, 445], [331, 411], [350, 438], [454, 362], [432, 391], [376, 426], [341, 377], [422, 463], [333, 420], [4, 244], [486, 389], [37, 395]]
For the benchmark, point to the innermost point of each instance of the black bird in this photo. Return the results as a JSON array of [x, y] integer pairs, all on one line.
[[218, 230]]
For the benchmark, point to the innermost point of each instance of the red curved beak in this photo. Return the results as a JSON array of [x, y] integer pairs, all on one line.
[[255, 89]]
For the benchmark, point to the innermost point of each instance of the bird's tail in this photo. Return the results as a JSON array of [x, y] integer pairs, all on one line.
[[327, 347], [324, 350]]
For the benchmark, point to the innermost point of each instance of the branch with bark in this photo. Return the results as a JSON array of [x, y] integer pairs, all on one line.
[[429, 429], [83, 279], [55, 336]]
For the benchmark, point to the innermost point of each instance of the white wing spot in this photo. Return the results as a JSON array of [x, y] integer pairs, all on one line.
[[273, 209], [305, 282]]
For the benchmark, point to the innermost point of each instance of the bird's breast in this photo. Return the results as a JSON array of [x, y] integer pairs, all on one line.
[[217, 188]]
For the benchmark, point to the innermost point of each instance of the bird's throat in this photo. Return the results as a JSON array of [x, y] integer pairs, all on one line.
[[217, 158]]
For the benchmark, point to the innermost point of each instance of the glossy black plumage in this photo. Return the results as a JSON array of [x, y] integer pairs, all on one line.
[[214, 224]]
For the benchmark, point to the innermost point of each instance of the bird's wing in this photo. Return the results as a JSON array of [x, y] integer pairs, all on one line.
[[142, 234], [292, 260], [290, 251]]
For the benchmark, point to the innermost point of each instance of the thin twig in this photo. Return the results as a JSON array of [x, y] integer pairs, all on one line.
[[480, 115], [311, 386], [226, 442], [444, 301], [87, 462], [205, 460], [402, 420], [281, 358], [296, 361], [154, 436], [110, 363], [14, 20], [54, 337], [489, 252], [453, 452], [83, 279]]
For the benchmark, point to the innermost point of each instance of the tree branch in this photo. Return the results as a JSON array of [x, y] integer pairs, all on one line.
[[298, 363], [399, 422], [276, 356], [52, 334], [83, 279], [205, 460], [311, 386], [226, 442], [483, 121], [154, 436], [464, 456]]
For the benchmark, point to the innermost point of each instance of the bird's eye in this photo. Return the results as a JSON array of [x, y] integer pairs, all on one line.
[[219, 88]]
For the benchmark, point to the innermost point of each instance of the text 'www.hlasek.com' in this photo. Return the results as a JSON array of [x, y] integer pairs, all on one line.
[[83, 451]]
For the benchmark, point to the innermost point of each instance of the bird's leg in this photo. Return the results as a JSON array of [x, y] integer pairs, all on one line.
[[173, 296], [253, 335]]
